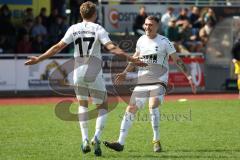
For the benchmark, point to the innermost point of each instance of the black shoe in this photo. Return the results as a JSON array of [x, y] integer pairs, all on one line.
[[97, 149], [114, 145], [85, 147]]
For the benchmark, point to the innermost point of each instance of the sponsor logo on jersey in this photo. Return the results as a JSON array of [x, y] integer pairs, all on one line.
[[152, 58]]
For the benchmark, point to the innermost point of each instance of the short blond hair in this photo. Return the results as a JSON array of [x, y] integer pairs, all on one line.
[[87, 10]]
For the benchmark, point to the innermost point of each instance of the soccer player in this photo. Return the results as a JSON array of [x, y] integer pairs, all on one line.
[[88, 37], [155, 50], [236, 62]]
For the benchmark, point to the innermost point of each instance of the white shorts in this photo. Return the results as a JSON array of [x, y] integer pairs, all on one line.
[[142, 93], [96, 89]]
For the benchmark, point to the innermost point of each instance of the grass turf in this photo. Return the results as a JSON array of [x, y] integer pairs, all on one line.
[[206, 129]]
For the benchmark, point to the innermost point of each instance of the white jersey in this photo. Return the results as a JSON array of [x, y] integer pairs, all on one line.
[[155, 52], [87, 38]]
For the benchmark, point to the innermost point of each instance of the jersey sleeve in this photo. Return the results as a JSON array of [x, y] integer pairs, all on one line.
[[169, 47], [103, 35], [68, 38], [138, 46]]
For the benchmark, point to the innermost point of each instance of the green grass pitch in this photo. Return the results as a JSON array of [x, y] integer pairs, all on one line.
[[206, 129]]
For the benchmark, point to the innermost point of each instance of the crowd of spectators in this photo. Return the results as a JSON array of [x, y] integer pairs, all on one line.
[[170, 2], [188, 29], [33, 34]]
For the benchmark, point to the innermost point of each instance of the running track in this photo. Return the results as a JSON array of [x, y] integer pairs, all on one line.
[[47, 100]]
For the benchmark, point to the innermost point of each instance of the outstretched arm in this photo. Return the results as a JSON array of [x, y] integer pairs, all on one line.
[[119, 78], [119, 52], [49, 53], [178, 61]]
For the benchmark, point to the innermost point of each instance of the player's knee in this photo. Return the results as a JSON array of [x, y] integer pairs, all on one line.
[[155, 102], [132, 109]]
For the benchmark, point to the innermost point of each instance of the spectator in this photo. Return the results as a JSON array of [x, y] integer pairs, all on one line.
[[57, 30], [6, 27], [185, 30], [210, 16], [5, 45], [52, 18], [139, 21], [195, 19], [189, 39], [38, 28], [43, 15], [5, 13], [7, 30], [74, 6], [166, 18], [192, 41], [205, 32], [64, 28], [38, 45], [172, 31], [26, 28], [183, 16], [28, 14], [24, 45], [65, 23], [60, 5]]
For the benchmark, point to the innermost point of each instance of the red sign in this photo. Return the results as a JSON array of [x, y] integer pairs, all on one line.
[[178, 79]]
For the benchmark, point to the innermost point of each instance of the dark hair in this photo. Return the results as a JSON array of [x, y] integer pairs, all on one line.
[[29, 9], [87, 10], [153, 18], [170, 9], [43, 9], [4, 7]]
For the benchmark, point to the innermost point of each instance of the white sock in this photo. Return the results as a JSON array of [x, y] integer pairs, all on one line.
[[83, 121], [102, 116], [155, 118], [125, 125]]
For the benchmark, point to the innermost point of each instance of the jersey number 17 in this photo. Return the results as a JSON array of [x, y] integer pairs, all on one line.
[[80, 42]]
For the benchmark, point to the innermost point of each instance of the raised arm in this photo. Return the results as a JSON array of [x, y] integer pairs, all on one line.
[[49, 53], [178, 61]]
